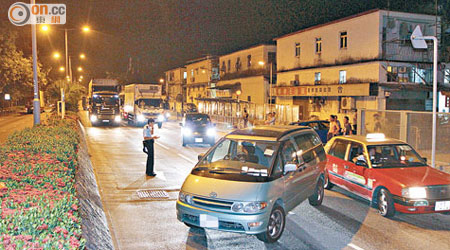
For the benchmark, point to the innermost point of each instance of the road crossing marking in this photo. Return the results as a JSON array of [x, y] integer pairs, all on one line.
[[187, 159], [355, 246]]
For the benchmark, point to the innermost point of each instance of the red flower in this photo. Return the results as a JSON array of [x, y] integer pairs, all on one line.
[[74, 207], [42, 227]]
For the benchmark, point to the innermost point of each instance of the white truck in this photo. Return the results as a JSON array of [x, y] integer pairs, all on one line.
[[143, 101]]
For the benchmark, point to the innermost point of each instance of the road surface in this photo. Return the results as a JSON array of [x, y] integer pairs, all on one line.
[[341, 222], [14, 122]]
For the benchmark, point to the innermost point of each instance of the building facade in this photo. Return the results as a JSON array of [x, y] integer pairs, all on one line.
[[362, 61], [202, 75], [176, 86]]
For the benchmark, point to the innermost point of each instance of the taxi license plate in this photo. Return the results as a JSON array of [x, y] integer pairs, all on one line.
[[198, 139], [442, 206], [105, 120], [209, 221]]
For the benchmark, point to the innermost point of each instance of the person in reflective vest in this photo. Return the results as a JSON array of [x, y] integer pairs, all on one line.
[[149, 140]]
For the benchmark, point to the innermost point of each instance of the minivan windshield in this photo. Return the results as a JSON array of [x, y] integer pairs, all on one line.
[[243, 157], [197, 119]]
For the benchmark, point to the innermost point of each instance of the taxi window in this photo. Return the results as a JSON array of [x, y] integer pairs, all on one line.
[[356, 153], [338, 149]]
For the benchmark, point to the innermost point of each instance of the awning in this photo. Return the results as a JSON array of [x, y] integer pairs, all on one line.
[[413, 86], [227, 100], [231, 86]]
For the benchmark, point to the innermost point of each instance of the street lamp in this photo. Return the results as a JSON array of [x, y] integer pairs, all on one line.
[[82, 56], [56, 55], [161, 80], [262, 63], [80, 69], [86, 28], [45, 28], [62, 69]]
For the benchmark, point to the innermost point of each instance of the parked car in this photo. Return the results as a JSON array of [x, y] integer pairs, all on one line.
[[387, 172], [197, 128], [320, 126], [252, 178]]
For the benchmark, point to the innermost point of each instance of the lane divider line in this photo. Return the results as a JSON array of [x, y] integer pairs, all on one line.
[[355, 246], [187, 159], [161, 145]]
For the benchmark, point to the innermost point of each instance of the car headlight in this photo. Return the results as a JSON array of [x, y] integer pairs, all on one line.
[[167, 115], [181, 197], [211, 132], [160, 118], [414, 192], [117, 118], [93, 118], [248, 207], [186, 198], [141, 118], [187, 131]]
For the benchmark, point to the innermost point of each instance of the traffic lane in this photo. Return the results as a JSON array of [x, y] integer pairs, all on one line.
[[12, 123]]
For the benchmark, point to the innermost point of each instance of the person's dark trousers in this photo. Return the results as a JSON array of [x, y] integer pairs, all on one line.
[[149, 150]]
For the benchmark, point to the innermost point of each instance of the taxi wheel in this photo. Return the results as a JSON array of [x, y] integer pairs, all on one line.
[[192, 226], [317, 198], [275, 226], [385, 203], [328, 185]]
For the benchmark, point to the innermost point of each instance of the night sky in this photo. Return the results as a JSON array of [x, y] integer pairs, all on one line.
[[164, 34]]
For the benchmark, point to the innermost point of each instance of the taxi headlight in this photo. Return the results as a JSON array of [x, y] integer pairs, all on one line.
[[414, 192], [211, 132], [93, 118], [181, 197], [160, 118], [248, 207], [141, 118]]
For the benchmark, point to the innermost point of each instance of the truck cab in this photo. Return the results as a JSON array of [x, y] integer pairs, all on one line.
[[104, 108]]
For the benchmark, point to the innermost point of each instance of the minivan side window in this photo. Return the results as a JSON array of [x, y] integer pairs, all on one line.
[[220, 151], [288, 153], [338, 149]]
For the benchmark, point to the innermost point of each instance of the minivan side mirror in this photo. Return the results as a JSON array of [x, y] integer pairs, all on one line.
[[200, 156], [290, 167], [361, 163], [425, 159]]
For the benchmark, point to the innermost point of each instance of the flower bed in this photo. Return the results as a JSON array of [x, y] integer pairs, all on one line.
[[39, 209]]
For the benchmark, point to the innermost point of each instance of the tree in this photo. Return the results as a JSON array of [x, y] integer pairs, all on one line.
[[73, 93]]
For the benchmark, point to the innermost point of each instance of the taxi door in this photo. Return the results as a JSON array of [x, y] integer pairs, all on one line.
[[356, 174], [336, 161]]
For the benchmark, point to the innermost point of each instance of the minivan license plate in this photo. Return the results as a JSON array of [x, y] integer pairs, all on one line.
[[198, 139], [442, 206], [209, 221]]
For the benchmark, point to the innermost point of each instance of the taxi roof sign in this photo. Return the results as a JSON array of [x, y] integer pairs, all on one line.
[[417, 39], [375, 136]]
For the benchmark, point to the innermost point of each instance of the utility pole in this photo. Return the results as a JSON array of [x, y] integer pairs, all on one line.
[[36, 101]]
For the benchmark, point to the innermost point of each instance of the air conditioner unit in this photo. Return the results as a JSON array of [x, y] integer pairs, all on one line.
[[402, 69], [348, 103]]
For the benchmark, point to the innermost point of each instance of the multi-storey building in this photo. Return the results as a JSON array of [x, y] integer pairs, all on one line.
[[202, 75], [361, 61], [176, 86]]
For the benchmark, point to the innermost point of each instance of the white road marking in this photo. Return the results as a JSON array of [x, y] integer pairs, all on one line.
[[355, 246], [291, 212], [160, 175], [161, 145], [187, 159]]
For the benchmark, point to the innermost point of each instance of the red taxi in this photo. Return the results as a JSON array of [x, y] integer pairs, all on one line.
[[387, 172]]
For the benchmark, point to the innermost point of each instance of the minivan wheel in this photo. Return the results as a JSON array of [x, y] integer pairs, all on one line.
[[192, 226], [317, 198], [385, 203], [275, 226], [328, 185]]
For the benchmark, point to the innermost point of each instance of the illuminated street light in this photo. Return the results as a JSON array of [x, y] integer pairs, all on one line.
[[238, 92], [62, 69], [45, 28], [86, 29], [80, 69], [261, 63], [82, 56], [161, 80], [56, 55]]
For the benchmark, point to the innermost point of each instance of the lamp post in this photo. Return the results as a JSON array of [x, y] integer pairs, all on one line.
[[262, 63], [36, 101], [418, 42]]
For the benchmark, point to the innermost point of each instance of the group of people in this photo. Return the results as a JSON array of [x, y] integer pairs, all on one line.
[[337, 129], [271, 118]]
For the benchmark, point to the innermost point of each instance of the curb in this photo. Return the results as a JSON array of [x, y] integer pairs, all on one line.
[[94, 224]]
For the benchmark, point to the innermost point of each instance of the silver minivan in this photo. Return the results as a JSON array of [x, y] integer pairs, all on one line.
[[251, 178]]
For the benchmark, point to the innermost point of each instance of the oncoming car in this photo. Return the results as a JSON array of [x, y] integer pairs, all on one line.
[[251, 178], [197, 128], [387, 172]]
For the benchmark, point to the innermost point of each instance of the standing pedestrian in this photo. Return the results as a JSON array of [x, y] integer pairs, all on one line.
[[333, 128], [149, 141], [245, 117], [347, 130], [338, 123]]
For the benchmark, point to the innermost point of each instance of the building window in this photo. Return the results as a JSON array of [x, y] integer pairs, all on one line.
[[224, 68], [317, 78], [249, 61], [185, 75], [342, 76], [343, 40], [192, 72], [196, 71], [229, 65], [238, 64], [318, 45], [297, 49]]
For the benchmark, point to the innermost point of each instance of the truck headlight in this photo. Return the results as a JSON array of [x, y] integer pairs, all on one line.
[[248, 207], [141, 118], [160, 118], [117, 118], [93, 118], [211, 132], [187, 131], [414, 192]]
